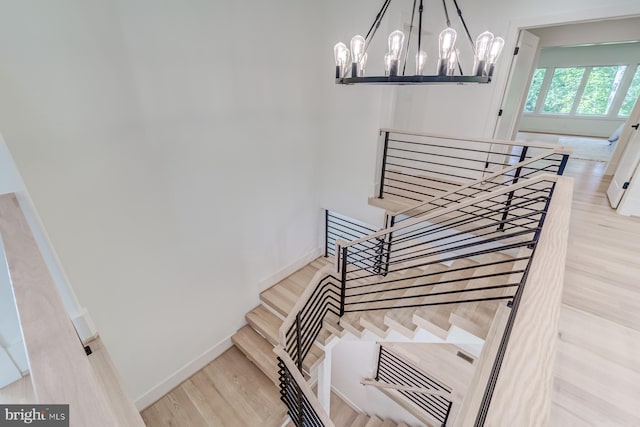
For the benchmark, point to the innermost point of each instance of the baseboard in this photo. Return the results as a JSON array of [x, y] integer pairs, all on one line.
[[172, 381], [347, 400], [290, 269]]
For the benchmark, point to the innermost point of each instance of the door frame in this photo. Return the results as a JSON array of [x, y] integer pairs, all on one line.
[[513, 31]]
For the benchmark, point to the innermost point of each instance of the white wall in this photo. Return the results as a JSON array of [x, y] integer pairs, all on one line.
[[171, 149]]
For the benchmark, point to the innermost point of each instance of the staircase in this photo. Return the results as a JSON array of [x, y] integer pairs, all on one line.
[[454, 252]]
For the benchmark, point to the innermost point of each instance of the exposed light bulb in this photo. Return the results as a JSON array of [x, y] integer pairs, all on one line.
[[362, 64], [452, 63], [494, 54], [341, 54], [483, 45], [421, 59], [357, 48], [396, 40], [447, 42], [387, 63], [357, 51]]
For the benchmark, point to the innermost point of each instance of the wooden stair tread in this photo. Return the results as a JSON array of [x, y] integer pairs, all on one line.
[[388, 423], [402, 320], [476, 317], [435, 319], [360, 421], [268, 325], [283, 295], [374, 422], [258, 350], [388, 204]]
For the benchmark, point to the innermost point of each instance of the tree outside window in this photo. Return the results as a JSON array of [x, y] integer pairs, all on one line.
[[632, 95], [563, 90]]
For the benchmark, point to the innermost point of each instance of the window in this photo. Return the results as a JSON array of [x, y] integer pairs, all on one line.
[[632, 95], [534, 90], [600, 90], [563, 90], [584, 91]]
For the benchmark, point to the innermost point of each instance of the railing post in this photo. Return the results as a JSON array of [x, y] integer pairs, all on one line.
[[343, 289], [326, 233], [563, 164], [446, 417], [516, 175], [377, 377], [389, 240], [298, 343], [384, 164]]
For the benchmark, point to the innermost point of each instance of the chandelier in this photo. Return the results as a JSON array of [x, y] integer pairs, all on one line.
[[486, 51]]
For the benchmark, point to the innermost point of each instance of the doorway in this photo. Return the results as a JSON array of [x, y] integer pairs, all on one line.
[[578, 86]]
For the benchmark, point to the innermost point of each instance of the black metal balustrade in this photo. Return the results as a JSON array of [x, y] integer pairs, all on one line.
[[396, 371], [502, 218], [299, 408], [418, 167], [339, 226]]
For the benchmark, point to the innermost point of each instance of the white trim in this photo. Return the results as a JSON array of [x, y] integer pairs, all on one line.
[[84, 325], [290, 269], [175, 379]]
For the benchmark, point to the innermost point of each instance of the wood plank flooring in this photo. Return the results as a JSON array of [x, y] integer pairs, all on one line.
[[597, 368]]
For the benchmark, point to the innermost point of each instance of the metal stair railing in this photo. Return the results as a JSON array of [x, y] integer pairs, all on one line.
[[508, 218]]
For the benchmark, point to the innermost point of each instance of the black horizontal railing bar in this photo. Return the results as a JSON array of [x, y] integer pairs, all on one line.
[[391, 357], [468, 149], [448, 222], [500, 237], [438, 283], [428, 171], [434, 163], [402, 195], [432, 179], [393, 377], [489, 189], [318, 298], [469, 255], [391, 369], [451, 236], [338, 220], [395, 307], [409, 376], [407, 190], [468, 159], [415, 234], [328, 304], [353, 232], [442, 273], [502, 193], [428, 253], [435, 285], [421, 186]]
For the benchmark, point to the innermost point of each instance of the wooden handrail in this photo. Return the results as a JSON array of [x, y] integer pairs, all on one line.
[[522, 393], [304, 387], [405, 388], [471, 184], [59, 368], [327, 270], [561, 149], [408, 223]]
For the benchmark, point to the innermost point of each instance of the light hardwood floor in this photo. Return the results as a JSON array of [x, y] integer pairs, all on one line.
[[597, 368], [597, 377]]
